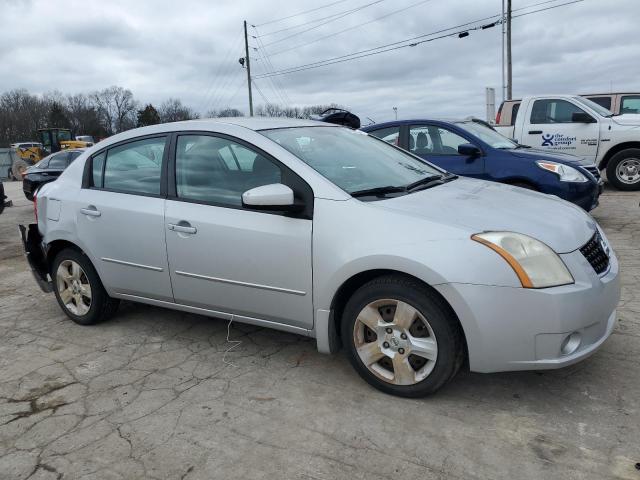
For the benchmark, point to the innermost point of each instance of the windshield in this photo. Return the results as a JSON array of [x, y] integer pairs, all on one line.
[[488, 135], [599, 109], [350, 158]]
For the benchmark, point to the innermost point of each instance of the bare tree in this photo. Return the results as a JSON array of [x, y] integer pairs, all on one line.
[[116, 108], [225, 112], [173, 110]]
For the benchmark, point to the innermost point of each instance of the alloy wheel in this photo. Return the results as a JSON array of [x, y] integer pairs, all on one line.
[[73, 287], [628, 171], [395, 342]]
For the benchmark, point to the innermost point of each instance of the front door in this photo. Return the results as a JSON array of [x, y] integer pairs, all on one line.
[[120, 219], [227, 258], [552, 128], [439, 146]]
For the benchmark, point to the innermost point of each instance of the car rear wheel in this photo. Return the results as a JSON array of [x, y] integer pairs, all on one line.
[[78, 289], [401, 337], [19, 166], [623, 170]]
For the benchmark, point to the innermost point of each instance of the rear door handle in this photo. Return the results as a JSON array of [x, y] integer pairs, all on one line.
[[535, 132], [182, 228], [91, 211]]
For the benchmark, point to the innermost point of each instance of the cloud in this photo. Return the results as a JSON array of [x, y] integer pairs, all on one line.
[[190, 50]]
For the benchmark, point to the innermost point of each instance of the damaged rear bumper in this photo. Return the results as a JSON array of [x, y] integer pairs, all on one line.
[[32, 243]]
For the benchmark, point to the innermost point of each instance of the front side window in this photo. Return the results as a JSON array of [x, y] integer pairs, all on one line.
[[630, 104], [447, 142], [135, 167], [553, 111], [217, 170], [351, 159], [390, 135]]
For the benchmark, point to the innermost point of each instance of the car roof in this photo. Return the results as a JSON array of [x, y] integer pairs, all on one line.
[[414, 121], [254, 123]]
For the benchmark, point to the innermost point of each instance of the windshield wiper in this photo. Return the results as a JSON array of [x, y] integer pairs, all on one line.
[[426, 182], [377, 191], [523, 146]]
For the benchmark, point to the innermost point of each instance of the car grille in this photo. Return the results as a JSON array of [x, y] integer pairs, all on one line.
[[595, 253], [593, 170]]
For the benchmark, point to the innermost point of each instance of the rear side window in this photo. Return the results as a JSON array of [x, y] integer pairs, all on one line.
[[72, 156], [217, 170], [602, 101], [553, 111], [514, 113], [135, 167], [390, 135], [58, 161], [630, 104]]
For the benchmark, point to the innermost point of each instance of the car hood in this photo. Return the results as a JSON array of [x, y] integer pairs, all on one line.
[[629, 119], [479, 206], [539, 154]]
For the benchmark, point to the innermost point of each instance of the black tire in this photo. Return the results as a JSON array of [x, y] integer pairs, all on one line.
[[102, 305], [612, 169], [442, 320]]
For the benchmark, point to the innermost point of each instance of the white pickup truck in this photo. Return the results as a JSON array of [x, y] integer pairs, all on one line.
[[576, 125]]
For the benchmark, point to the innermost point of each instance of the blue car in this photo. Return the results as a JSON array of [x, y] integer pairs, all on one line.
[[473, 149]]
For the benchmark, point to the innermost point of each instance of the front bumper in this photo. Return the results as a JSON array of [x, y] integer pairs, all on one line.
[[510, 328]]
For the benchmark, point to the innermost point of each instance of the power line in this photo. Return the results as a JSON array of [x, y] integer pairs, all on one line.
[[343, 14], [351, 28], [260, 92], [301, 13], [276, 86], [392, 44], [408, 42]]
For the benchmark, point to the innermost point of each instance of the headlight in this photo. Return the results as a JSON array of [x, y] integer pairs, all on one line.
[[564, 172], [535, 264]]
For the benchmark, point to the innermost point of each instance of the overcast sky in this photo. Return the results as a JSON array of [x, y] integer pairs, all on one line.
[[189, 49]]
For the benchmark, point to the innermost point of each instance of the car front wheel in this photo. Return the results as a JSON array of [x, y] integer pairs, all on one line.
[[78, 289], [401, 337]]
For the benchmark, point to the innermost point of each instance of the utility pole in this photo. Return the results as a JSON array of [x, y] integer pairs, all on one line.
[[509, 73], [504, 85], [248, 64]]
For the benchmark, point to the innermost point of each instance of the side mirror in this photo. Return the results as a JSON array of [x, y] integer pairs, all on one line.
[[469, 150], [581, 117], [274, 197]]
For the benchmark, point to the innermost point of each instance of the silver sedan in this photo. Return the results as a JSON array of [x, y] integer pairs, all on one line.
[[327, 232]]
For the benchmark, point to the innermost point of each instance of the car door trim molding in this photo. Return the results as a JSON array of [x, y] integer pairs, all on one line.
[[244, 284], [131, 264]]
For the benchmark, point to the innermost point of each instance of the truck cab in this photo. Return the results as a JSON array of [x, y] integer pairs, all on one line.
[[579, 126]]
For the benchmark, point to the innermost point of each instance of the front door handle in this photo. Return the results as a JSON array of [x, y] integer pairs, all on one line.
[[535, 132], [91, 211], [182, 228]]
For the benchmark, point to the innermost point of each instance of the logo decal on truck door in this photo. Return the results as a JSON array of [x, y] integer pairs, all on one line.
[[558, 141]]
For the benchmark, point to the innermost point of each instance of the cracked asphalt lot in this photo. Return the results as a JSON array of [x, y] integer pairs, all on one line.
[[147, 395]]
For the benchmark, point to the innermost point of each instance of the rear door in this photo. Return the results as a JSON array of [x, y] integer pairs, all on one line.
[[549, 126], [228, 258], [120, 217], [439, 145]]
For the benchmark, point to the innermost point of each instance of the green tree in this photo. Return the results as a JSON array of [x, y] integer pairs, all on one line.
[[148, 116], [58, 116]]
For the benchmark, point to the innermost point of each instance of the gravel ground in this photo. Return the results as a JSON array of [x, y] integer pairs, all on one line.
[[147, 395]]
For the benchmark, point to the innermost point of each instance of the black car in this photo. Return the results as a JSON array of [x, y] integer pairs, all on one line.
[[47, 170]]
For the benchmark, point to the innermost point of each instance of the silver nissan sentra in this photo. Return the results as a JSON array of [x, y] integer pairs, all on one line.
[[327, 232]]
